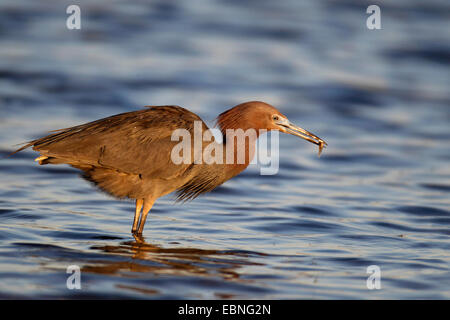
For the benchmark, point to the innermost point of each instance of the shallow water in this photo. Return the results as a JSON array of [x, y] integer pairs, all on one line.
[[379, 195]]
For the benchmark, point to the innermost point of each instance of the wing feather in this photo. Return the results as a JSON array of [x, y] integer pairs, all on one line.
[[137, 142]]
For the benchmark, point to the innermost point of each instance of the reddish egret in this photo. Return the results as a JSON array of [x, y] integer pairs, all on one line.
[[129, 155]]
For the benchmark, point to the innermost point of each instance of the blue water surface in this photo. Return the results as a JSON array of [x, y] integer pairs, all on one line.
[[379, 195]]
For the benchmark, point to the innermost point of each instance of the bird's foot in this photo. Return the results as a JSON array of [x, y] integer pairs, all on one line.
[[138, 237]]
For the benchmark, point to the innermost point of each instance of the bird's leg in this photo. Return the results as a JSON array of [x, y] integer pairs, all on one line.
[[139, 203], [148, 204], [139, 239]]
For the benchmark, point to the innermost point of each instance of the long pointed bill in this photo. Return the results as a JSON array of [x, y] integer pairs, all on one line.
[[302, 133]]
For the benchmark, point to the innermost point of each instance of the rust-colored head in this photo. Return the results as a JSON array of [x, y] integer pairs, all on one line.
[[260, 115], [249, 115]]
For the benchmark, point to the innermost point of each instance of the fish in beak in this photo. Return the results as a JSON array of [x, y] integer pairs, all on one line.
[[287, 127]]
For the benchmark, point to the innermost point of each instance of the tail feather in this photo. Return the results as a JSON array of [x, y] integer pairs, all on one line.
[[27, 145]]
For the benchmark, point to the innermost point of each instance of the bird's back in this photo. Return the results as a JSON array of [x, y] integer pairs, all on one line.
[[126, 155]]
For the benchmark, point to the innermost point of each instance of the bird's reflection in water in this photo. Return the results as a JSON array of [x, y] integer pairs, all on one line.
[[150, 258]]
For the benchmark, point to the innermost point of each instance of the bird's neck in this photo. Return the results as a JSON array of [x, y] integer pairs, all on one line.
[[239, 139], [239, 146]]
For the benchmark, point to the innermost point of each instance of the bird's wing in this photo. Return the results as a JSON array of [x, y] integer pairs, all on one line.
[[136, 142]]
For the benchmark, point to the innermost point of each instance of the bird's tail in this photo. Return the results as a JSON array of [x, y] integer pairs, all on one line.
[[26, 145]]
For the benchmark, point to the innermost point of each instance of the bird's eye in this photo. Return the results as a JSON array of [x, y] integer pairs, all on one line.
[[275, 118]]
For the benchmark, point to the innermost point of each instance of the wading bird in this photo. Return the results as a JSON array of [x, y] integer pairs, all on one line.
[[128, 155]]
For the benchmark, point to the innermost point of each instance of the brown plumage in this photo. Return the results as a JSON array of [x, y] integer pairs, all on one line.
[[129, 155]]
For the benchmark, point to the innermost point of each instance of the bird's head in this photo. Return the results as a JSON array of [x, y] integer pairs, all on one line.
[[260, 115]]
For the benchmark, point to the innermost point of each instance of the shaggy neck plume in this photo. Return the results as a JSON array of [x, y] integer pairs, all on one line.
[[232, 119], [237, 141]]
